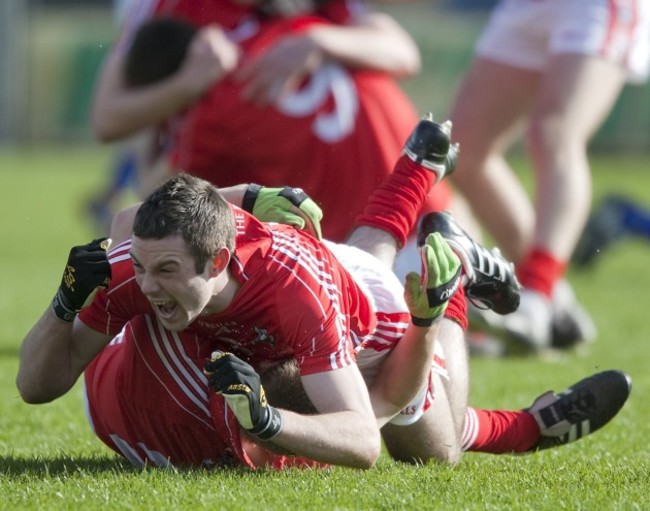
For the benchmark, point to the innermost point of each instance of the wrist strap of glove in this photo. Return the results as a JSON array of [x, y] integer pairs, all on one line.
[[271, 426], [425, 322], [250, 196], [60, 308]]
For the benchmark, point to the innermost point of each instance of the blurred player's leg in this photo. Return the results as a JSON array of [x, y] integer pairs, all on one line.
[[565, 115]]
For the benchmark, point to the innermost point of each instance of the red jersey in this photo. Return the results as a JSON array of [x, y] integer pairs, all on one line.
[[295, 300], [337, 137], [150, 400]]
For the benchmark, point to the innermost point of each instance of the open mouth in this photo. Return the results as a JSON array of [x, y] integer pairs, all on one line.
[[164, 308]]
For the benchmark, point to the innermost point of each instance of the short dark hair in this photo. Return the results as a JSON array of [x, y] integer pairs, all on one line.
[[157, 50], [193, 208]]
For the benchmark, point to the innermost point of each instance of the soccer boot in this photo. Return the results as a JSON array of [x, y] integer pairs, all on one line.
[[571, 325], [527, 331], [430, 145], [539, 326], [490, 280], [580, 410]]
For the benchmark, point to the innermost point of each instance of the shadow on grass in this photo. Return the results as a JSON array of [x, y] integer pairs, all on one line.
[[57, 466], [61, 465]]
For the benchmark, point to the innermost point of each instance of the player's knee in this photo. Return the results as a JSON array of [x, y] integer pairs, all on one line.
[[552, 135], [448, 456]]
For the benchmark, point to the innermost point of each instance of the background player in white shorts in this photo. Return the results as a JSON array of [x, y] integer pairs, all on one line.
[[556, 67]]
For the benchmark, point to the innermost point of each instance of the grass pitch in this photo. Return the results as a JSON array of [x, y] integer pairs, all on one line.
[[50, 460]]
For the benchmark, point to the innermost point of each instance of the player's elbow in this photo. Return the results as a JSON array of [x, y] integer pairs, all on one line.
[[109, 122], [33, 393], [369, 451], [402, 60], [401, 54], [104, 130], [411, 64], [372, 457]]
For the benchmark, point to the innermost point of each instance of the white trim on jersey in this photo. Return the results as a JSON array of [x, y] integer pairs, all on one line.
[[120, 252], [198, 381], [158, 458], [387, 334], [305, 259], [201, 400], [129, 452]]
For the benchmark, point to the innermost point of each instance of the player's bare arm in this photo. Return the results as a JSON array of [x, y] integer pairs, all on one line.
[[119, 110], [404, 373], [376, 42], [59, 346], [342, 432], [285, 205], [53, 355]]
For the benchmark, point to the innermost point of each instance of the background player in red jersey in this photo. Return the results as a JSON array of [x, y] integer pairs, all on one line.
[[199, 279], [308, 99]]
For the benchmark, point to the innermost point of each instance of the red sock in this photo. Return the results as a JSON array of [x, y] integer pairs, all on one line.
[[395, 205], [540, 270], [457, 308], [499, 431]]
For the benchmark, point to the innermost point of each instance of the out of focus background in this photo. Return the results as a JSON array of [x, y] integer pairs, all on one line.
[[50, 51]]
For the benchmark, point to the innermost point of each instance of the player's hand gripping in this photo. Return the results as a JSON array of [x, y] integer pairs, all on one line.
[[240, 385], [86, 271], [287, 205], [427, 295]]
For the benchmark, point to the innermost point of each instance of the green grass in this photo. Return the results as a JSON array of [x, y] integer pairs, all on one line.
[[50, 460]]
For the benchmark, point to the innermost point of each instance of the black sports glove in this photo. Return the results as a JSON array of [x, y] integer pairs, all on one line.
[[240, 385], [291, 206], [87, 271]]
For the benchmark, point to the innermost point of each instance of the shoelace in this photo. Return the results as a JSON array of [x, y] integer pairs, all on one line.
[[489, 264], [578, 406]]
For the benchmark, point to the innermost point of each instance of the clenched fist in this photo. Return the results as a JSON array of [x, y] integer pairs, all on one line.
[[240, 385], [86, 271]]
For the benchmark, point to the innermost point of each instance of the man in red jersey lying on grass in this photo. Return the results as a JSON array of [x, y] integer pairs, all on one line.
[[202, 298]]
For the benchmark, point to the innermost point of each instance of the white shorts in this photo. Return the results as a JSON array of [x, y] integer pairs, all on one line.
[[525, 33], [386, 294]]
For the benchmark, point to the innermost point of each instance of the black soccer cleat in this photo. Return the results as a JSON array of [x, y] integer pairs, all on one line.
[[430, 145], [490, 279], [580, 410]]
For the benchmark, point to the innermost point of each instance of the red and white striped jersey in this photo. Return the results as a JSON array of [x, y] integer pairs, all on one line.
[[295, 300], [148, 398]]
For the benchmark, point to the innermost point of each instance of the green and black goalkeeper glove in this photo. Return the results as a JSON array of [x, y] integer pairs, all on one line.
[[240, 385], [286, 205], [87, 271], [427, 295]]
